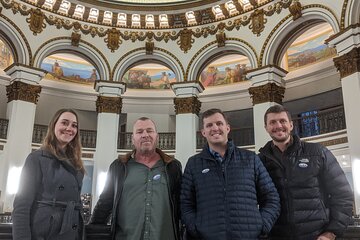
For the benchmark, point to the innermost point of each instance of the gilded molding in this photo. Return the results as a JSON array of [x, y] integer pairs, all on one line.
[[269, 92], [334, 141], [348, 63], [343, 12], [23, 91], [108, 104], [187, 105], [82, 41]]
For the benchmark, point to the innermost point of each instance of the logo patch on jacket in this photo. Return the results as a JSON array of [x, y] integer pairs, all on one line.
[[303, 163], [206, 170], [156, 177]]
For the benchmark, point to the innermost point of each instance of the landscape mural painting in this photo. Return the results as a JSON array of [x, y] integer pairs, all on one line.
[[310, 48], [149, 76], [6, 58], [225, 70], [69, 68]]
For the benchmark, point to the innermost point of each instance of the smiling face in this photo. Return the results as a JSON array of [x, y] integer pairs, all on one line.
[[215, 130], [66, 128], [144, 136], [279, 127]]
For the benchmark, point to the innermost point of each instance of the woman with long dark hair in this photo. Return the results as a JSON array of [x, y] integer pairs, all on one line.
[[48, 204]]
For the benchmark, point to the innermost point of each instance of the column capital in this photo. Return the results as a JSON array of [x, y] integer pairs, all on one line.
[[110, 88], [187, 89], [187, 105], [348, 63], [269, 92], [23, 73], [23, 91], [267, 74], [345, 40], [105, 104]]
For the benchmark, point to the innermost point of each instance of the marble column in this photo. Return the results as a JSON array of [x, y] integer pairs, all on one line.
[[187, 108], [347, 43], [267, 89], [22, 93], [108, 107]]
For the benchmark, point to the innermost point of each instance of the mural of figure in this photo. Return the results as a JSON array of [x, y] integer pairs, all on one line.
[[209, 77], [228, 77], [57, 70], [165, 79], [93, 76]]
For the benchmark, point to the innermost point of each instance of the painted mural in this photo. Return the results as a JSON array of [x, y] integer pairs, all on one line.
[[69, 68], [6, 58], [225, 70], [149, 76], [309, 50]]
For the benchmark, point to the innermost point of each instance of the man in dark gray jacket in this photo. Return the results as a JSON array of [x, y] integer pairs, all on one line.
[[142, 191], [316, 198], [226, 192]]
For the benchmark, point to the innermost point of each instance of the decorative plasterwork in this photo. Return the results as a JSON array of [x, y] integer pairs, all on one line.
[[295, 9], [75, 39], [183, 37], [108, 104], [269, 92], [221, 38], [348, 63], [113, 39], [186, 40], [36, 21], [187, 105], [23, 91], [343, 12], [149, 47]]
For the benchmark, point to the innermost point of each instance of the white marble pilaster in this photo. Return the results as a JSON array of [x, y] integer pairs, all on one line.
[[109, 105], [347, 44], [187, 107], [22, 93]]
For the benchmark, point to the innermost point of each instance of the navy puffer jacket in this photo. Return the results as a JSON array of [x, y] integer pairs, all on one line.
[[233, 200]]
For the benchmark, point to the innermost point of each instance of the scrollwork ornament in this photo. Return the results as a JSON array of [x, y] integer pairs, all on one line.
[[348, 63], [113, 39], [36, 21], [75, 39], [186, 40], [295, 9], [257, 21], [108, 104]]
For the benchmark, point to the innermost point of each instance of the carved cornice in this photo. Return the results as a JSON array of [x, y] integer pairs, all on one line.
[[23, 91], [108, 104], [348, 63], [334, 141], [187, 105], [269, 92]]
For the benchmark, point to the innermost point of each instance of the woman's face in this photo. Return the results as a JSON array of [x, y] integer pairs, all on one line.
[[66, 128]]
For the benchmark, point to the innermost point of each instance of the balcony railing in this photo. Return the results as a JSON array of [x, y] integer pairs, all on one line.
[[308, 124], [320, 122], [3, 128]]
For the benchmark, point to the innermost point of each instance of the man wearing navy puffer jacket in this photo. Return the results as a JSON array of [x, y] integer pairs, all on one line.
[[226, 192]]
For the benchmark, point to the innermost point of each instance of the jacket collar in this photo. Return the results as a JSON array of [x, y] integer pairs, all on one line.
[[296, 144], [166, 158]]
